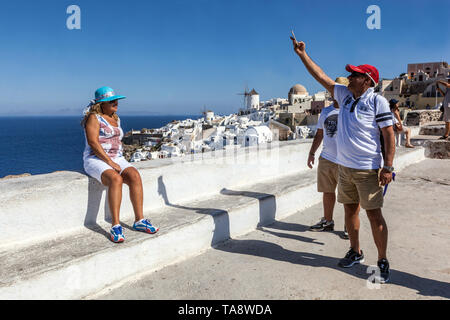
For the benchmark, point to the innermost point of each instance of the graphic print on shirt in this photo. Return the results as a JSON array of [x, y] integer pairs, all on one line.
[[330, 125], [347, 101], [109, 138]]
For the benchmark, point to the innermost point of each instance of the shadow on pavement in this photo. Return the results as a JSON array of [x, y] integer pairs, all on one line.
[[424, 286]]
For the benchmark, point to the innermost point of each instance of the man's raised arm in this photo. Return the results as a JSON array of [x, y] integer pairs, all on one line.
[[312, 67]]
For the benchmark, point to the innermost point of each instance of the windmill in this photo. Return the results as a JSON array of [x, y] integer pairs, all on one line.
[[246, 94], [203, 111]]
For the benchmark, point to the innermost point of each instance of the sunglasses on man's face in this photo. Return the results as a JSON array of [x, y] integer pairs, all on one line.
[[113, 102], [357, 74]]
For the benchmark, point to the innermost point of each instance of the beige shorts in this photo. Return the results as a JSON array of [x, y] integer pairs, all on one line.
[[404, 129], [327, 176], [360, 186]]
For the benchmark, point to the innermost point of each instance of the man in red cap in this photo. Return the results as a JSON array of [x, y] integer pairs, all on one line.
[[362, 115]]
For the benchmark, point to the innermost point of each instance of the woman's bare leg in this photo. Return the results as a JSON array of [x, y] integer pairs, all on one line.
[[113, 181], [408, 137], [132, 178]]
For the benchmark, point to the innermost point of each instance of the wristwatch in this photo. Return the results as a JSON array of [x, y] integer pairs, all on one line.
[[390, 169]]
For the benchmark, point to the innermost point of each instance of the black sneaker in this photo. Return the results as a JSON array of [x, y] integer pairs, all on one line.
[[383, 265], [351, 258], [323, 225]]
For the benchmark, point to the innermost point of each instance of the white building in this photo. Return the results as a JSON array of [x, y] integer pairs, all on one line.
[[153, 155], [253, 100], [209, 116], [171, 149], [297, 94], [139, 155], [257, 135]]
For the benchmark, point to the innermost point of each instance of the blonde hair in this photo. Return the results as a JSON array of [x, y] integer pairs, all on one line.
[[96, 109]]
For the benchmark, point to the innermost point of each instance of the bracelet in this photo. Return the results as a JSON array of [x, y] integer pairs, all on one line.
[[312, 154]]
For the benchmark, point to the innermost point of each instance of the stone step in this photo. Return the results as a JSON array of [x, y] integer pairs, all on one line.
[[420, 139], [75, 265], [437, 149], [433, 129]]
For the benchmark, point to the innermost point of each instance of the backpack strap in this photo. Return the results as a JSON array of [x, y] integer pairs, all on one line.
[[375, 103], [381, 133]]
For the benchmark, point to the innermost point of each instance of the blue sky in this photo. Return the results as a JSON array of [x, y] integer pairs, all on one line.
[[175, 57]]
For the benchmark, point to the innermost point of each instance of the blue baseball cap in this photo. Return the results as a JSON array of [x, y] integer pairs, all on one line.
[[106, 94], [393, 101]]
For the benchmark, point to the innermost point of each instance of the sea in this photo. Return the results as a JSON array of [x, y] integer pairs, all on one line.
[[38, 145]]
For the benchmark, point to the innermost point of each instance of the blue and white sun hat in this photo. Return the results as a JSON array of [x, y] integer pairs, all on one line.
[[106, 94], [102, 94]]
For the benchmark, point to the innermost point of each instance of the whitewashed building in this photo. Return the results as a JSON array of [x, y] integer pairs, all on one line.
[[257, 135]]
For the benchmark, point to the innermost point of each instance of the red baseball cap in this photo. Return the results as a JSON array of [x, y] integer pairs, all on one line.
[[371, 71]]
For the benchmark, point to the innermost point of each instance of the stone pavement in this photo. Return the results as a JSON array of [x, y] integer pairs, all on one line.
[[286, 261]]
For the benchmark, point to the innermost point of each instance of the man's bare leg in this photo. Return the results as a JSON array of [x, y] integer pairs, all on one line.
[[379, 231], [352, 224], [329, 200]]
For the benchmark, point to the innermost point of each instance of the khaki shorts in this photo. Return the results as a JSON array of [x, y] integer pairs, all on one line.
[[360, 186], [327, 176]]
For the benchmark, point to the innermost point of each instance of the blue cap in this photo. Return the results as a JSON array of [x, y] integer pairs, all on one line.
[[106, 94], [393, 101]]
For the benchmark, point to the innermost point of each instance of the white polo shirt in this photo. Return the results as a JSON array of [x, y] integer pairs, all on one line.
[[358, 134], [328, 121]]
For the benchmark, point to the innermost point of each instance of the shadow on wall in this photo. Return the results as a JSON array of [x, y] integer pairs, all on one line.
[[267, 203], [220, 217], [95, 192]]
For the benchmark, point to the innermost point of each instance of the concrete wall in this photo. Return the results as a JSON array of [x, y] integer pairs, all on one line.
[[46, 206]]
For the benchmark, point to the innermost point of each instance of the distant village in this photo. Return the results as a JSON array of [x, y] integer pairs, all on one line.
[[277, 119]]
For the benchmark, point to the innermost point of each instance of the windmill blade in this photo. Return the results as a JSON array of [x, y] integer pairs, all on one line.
[[246, 94], [203, 111]]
